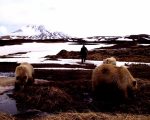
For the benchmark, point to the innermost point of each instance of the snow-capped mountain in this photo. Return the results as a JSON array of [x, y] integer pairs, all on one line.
[[36, 32]]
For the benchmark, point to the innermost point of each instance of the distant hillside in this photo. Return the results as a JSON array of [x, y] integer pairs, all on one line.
[[34, 32]]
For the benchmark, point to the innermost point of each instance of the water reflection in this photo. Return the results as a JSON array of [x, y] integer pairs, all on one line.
[[8, 105]]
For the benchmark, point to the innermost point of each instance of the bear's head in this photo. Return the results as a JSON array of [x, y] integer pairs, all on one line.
[[21, 76], [110, 60]]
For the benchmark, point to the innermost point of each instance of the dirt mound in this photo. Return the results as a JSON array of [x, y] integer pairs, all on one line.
[[66, 54], [132, 54], [140, 70], [93, 116], [77, 96], [45, 98], [4, 116]]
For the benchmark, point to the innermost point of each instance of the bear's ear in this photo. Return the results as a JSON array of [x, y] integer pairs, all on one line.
[[134, 83]]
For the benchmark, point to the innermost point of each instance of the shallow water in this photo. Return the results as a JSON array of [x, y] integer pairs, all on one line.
[[7, 104], [10, 106], [7, 74]]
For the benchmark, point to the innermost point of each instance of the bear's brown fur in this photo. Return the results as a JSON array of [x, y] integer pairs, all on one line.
[[24, 74], [118, 77], [110, 60]]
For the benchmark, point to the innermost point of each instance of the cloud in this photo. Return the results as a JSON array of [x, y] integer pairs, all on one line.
[[80, 17], [3, 30]]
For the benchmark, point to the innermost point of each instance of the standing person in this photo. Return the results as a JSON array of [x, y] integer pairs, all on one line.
[[83, 53]]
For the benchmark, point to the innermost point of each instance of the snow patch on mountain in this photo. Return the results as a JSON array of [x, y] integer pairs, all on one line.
[[37, 32], [26, 31]]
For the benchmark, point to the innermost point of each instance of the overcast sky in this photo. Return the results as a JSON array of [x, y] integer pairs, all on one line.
[[78, 17]]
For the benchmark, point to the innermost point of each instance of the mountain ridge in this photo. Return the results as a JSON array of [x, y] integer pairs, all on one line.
[[35, 32]]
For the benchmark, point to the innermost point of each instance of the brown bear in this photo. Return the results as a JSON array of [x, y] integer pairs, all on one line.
[[24, 75], [110, 60], [108, 77]]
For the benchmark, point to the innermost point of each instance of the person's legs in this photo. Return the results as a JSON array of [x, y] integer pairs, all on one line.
[[82, 60]]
